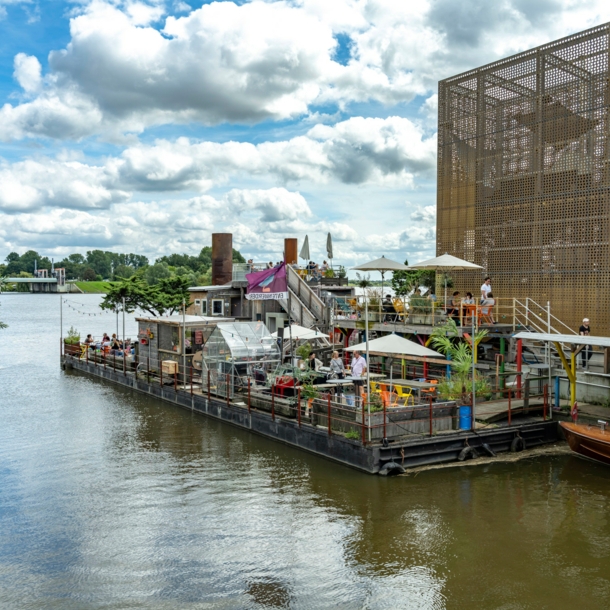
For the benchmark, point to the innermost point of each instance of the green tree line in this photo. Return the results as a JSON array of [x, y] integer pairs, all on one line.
[[103, 265]]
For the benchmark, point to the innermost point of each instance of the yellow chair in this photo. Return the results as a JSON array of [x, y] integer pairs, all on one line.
[[375, 387], [406, 393]]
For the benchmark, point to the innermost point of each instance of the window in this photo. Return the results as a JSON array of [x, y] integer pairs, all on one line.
[[204, 307], [169, 338], [217, 307]]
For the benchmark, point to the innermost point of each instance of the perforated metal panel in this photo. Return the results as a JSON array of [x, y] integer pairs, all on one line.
[[524, 176]]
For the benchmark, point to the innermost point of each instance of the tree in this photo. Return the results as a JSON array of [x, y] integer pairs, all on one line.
[[89, 275], [164, 298], [403, 282], [155, 273], [123, 271], [100, 262]]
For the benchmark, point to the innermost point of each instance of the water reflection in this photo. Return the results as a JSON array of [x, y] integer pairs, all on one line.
[[109, 499]]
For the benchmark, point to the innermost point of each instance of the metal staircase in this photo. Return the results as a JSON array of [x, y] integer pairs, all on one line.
[[306, 307]]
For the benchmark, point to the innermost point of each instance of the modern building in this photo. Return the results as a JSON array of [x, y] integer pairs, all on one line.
[[524, 176]]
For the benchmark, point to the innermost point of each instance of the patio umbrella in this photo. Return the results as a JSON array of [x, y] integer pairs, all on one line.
[[395, 345], [304, 254], [446, 262], [382, 264], [329, 247], [300, 333]]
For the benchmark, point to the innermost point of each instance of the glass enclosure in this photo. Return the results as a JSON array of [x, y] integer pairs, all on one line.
[[236, 352]]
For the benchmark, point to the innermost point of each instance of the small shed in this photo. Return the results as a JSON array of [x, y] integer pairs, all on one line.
[[236, 352]]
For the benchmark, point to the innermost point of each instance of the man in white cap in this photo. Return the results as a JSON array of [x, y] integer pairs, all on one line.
[[587, 351]]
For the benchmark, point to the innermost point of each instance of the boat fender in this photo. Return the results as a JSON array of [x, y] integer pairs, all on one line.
[[391, 468], [518, 444], [488, 450], [468, 453]]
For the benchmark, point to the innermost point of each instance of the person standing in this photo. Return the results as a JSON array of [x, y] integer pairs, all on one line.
[[485, 288], [358, 370], [587, 351], [336, 366]]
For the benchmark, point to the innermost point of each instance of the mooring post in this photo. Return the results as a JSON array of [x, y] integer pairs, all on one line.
[[430, 399], [509, 411], [329, 430], [299, 406], [249, 397]]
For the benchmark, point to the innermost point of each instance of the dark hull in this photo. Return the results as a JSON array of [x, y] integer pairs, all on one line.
[[588, 441]]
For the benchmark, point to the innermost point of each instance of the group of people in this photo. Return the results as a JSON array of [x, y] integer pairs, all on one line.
[[112, 345], [316, 272], [486, 302]]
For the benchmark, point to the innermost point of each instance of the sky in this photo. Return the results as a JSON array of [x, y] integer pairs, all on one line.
[[147, 126]]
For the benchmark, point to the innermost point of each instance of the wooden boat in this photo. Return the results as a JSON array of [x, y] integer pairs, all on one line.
[[590, 441]]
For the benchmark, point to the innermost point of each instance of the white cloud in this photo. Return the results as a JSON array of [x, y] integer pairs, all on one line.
[[426, 214], [28, 72]]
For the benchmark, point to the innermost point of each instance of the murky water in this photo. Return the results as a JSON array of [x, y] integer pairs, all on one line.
[[111, 500]]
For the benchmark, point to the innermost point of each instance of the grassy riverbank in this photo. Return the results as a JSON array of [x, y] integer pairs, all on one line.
[[94, 287]]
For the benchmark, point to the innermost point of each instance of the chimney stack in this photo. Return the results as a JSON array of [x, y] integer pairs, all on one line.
[[222, 258], [290, 250]]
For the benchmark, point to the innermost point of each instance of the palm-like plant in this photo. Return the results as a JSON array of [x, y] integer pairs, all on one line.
[[445, 339]]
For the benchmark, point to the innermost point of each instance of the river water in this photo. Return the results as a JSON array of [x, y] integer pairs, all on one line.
[[109, 499]]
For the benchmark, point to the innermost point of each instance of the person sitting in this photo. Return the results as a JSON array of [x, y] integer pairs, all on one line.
[[315, 272], [453, 308], [324, 268], [468, 306], [313, 363], [388, 308], [89, 342], [115, 345], [487, 309]]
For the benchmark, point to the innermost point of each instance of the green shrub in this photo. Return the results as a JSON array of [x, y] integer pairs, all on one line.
[[353, 435], [73, 337]]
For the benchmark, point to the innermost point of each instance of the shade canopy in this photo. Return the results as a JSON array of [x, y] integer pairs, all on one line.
[[300, 333], [395, 345], [382, 264], [447, 262], [304, 254]]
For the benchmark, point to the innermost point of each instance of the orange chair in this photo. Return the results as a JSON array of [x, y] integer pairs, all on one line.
[[430, 391], [387, 398]]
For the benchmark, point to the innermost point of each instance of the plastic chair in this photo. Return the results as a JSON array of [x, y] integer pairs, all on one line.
[[387, 397], [430, 391], [375, 387], [406, 393]]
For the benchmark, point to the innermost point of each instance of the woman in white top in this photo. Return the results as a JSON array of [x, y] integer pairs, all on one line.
[[336, 366], [487, 308]]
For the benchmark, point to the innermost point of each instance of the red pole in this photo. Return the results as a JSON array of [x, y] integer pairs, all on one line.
[[546, 398], [509, 411], [228, 388], [249, 398], [208, 384], [425, 370], [519, 365], [430, 399], [299, 406], [329, 430], [273, 402]]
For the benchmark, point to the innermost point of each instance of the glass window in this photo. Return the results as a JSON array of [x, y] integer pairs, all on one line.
[[169, 338], [204, 307], [217, 307]]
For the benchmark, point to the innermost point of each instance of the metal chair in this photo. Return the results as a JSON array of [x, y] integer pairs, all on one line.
[[406, 393]]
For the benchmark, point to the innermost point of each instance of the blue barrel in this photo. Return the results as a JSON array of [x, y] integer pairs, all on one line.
[[465, 419]]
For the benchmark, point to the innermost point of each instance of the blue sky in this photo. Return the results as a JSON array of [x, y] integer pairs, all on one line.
[[146, 126]]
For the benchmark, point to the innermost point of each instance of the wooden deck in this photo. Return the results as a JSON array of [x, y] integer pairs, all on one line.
[[497, 410]]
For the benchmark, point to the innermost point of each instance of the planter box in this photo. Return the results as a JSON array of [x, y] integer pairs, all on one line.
[[72, 349], [402, 421]]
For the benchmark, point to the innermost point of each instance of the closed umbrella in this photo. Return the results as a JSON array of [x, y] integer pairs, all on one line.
[[329, 247], [446, 262], [304, 254]]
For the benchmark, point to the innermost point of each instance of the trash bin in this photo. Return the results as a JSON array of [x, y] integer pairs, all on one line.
[[465, 417]]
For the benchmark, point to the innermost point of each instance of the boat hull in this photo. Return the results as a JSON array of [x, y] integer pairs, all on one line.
[[589, 441]]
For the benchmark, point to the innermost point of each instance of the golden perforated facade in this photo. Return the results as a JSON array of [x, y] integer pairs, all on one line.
[[524, 176]]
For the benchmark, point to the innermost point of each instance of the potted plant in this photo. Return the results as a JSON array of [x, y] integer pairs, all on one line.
[[419, 309], [309, 393], [374, 300], [458, 387], [329, 273], [72, 342], [341, 273]]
